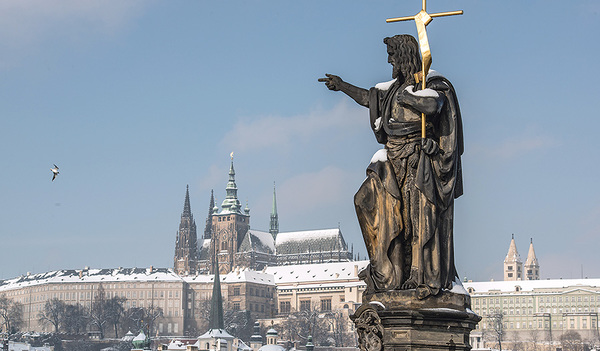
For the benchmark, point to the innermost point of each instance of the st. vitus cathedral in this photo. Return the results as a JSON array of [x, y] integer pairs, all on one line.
[[229, 240]]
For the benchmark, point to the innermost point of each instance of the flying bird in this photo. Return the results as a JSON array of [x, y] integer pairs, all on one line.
[[54, 172]]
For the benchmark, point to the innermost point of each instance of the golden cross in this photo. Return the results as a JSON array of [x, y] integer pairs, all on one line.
[[422, 19]]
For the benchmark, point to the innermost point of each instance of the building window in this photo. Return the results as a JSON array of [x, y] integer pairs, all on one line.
[[304, 305], [236, 306], [285, 307], [326, 304], [236, 291]]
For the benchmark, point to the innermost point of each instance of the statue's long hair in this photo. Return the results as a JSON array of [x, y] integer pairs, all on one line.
[[406, 48]]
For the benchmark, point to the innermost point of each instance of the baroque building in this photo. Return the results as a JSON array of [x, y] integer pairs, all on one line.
[[535, 310]]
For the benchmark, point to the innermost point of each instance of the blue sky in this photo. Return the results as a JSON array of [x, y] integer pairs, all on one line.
[[134, 100]]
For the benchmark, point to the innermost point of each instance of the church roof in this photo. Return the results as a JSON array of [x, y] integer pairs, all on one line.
[[257, 241], [310, 241]]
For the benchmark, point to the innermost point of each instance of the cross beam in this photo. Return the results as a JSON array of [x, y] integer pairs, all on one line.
[[422, 19]]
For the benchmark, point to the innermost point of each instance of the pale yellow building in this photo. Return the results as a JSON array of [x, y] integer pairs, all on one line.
[[537, 309]]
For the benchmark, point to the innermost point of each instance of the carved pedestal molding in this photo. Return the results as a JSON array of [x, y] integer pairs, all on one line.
[[396, 321]]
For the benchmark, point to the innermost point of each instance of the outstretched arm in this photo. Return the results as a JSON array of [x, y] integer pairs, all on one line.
[[335, 83]]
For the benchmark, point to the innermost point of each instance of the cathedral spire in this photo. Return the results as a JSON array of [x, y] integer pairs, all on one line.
[[187, 210], [208, 227], [186, 244], [274, 224], [215, 320], [231, 202], [532, 267]]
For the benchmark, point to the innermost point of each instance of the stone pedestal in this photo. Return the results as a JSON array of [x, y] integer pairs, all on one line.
[[398, 320]]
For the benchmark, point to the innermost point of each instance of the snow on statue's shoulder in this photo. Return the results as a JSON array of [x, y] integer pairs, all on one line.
[[379, 156], [385, 85], [427, 92]]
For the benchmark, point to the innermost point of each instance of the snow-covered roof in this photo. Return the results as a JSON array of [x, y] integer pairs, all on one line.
[[271, 348], [238, 275], [92, 276], [216, 334], [258, 241], [180, 344], [310, 241], [204, 250], [531, 285], [243, 347], [317, 273]]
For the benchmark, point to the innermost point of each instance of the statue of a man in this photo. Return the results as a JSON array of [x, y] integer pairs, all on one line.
[[405, 207]]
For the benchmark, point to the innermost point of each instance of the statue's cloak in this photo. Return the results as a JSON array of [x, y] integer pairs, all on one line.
[[438, 180]]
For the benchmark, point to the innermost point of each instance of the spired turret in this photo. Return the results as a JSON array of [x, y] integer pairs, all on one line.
[[229, 226], [532, 267], [274, 223], [231, 204], [513, 266], [186, 245]]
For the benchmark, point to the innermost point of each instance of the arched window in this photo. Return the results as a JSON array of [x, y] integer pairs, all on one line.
[[223, 246]]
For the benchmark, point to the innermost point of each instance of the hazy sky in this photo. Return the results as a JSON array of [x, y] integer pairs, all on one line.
[[133, 100]]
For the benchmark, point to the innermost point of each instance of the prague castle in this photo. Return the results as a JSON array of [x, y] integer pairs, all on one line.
[[229, 239]]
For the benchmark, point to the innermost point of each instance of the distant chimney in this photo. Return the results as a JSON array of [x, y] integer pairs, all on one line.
[[80, 274], [356, 270]]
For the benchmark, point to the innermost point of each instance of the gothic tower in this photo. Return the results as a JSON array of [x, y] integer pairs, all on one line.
[[532, 267], [274, 224], [186, 246], [208, 227], [513, 267], [228, 228]]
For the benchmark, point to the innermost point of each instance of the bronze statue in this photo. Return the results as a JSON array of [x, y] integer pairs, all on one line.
[[405, 207]]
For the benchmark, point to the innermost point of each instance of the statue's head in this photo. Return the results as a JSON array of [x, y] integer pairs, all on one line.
[[403, 54]]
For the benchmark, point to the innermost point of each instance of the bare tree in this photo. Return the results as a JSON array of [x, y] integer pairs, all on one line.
[[53, 313], [496, 327], [571, 341], [337, 327], [74, 319], [114, 311], [11, 314], [98, 315], [153, 313], [534, 336], [517, 345], [239, 323]]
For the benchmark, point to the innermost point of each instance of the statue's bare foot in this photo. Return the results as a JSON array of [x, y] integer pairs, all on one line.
[[410, 283]]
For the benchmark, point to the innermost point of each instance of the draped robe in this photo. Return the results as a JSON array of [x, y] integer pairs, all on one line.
[[405, 206]]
